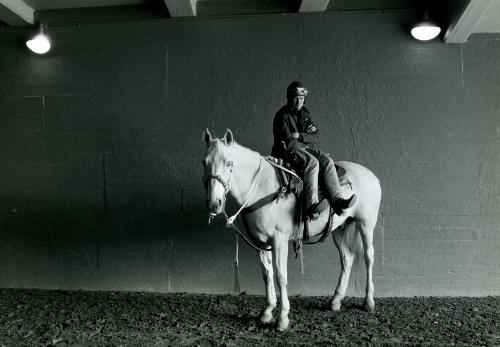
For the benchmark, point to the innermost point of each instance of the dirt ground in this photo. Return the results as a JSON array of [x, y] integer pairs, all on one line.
[[79, 318]]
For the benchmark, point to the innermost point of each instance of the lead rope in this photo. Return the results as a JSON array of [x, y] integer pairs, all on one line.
[[299, 241], [236, 269], [230, 223]]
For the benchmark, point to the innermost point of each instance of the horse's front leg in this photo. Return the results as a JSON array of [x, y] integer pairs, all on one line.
[[280, 255], [266, 265]]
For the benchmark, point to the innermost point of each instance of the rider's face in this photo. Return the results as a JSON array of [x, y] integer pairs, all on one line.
[[297, 101]]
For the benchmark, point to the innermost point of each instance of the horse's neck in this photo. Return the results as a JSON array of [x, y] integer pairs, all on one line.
[[246, 168]]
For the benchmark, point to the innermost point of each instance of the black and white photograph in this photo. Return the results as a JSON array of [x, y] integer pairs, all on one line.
[[249, 173]]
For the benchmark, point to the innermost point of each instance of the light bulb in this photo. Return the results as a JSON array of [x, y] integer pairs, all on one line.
[[40, 43], [425, 31]]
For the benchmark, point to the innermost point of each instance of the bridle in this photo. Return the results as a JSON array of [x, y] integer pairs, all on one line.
[[227, 187], [218, 178]]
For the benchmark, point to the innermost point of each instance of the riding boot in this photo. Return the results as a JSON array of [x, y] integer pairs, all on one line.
[[340, 204]]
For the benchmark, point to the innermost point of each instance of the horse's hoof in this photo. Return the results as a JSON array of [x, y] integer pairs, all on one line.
[[282, 324], [266, 318], [369, 305], [335, 305]]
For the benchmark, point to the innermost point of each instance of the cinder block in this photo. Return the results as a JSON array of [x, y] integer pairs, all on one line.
[[24, 113], [115, 130]]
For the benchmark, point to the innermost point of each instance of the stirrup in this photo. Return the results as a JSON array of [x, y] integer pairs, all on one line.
[[315, 210]]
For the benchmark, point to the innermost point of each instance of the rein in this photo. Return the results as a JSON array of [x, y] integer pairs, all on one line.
[[251, 193], [256, 205]]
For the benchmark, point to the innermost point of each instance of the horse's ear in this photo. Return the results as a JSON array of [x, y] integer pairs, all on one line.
[[207, 137], [228, 137]]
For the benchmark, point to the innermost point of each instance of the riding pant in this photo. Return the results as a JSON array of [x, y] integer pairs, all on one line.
[[313, 162]]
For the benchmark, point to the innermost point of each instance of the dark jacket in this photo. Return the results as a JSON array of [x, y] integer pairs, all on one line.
[[288, 121]]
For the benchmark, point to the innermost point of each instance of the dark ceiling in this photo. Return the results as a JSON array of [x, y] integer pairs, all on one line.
[[458, 18]]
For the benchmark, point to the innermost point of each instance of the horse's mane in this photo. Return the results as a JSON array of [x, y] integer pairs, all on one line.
[[243, 148], [220, 145]]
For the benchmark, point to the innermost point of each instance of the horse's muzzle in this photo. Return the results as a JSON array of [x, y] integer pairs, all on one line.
[[215, 206]]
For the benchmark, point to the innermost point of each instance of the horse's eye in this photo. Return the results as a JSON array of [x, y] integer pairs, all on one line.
[[204, 162]]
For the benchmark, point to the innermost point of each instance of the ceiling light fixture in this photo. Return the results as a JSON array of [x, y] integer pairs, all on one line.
[[425, 30], [40, 43]]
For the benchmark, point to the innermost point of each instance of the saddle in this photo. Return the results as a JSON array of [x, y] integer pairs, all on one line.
[[293, 183]]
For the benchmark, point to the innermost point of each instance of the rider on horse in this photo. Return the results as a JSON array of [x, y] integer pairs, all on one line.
[[296, 140]]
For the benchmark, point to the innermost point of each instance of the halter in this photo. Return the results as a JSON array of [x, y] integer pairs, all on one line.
[[225, 184], [227, 187], [219, 179]]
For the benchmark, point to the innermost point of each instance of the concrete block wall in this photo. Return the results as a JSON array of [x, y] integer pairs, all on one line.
[[100, 150]]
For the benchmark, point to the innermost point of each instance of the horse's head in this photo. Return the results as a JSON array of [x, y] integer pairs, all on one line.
[[218, 168]]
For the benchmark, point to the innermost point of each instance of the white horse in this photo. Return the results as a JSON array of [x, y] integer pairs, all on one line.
[[247, 177]]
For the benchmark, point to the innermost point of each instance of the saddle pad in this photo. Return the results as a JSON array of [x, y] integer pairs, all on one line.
[[341, 172], [342, 175], [285, 177]]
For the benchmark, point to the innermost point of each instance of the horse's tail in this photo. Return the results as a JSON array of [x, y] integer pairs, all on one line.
[[351, 239], [357, 248]]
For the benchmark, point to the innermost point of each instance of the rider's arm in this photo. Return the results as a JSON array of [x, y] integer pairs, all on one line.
[[310, 137], [282, 131]]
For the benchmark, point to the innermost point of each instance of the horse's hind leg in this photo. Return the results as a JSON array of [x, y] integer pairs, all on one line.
[[266, 265], [342, 237], [365, 229]]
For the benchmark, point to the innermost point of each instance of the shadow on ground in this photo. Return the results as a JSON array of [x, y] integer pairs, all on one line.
[[78, 318]]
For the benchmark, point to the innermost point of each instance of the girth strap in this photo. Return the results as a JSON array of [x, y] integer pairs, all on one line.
[[264, 201]]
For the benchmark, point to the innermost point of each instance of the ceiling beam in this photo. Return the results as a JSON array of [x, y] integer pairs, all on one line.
[[313, 5], [16, 12], [461, 29], [181, 8]]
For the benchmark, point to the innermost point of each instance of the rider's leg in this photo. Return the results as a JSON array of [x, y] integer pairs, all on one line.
[[331, 180], [310, 177]]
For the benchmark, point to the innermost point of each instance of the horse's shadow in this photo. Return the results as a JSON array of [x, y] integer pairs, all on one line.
[[326, 306], [244, 318], [252, 320]]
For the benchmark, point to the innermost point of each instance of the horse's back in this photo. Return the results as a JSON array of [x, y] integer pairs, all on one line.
[[365, 184]]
